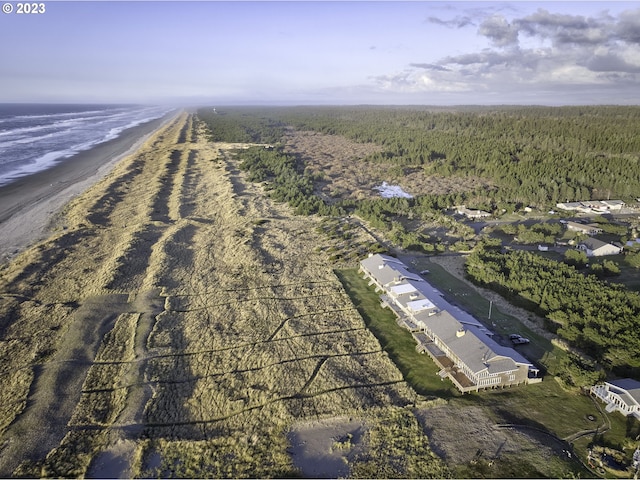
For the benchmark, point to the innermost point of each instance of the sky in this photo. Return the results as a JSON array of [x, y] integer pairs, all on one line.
[[326, 52]]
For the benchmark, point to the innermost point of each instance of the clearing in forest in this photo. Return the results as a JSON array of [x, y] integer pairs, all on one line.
[[346, 174]]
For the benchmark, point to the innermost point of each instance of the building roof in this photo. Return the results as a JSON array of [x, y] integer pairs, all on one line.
[[403, 288], [569, 205], [584, 228], [593, 243], [419, 305], [387, 269], [473, 347], [477, 350], [631, 387]]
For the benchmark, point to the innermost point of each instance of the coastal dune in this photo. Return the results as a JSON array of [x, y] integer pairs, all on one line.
[[177, 322]]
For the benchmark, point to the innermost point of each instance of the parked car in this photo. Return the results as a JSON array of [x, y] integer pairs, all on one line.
[[520, 341]]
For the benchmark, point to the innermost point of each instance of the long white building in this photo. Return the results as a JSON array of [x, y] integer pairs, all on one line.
[[456, 341]]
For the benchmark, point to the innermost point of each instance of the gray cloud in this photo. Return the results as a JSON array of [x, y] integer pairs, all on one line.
[[499, 31], [610, 62], [563, 29], [628, 29], [537, 54], [430, 66], [457, 22]]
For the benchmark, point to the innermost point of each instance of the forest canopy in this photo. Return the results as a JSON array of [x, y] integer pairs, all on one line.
[[597, 317]]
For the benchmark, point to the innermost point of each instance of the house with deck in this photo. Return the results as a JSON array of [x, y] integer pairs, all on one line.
[[472, 214], [620, 395], [460, 345]]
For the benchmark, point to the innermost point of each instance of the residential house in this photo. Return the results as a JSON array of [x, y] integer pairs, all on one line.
[[590, 229], [592, 206], [597, 248], [570, 206], [620, 395], [457, 342], [473, 214]]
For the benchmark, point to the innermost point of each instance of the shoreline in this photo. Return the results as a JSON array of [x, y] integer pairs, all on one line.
[[29, 204]]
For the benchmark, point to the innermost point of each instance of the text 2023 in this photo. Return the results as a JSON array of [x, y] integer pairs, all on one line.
[[30, 8]]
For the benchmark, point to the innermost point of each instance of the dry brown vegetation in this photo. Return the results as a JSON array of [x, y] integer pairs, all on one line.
[[340, 161], [179, 323]]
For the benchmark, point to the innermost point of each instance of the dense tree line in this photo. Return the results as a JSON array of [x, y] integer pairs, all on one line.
[[532, 155], [286, 180], [240, 125], [601, 319]]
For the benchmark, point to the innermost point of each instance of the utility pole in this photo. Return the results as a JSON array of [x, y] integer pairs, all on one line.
[[490, 303]]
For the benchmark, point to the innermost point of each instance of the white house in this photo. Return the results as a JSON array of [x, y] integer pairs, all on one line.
[[458, 343], [590, 229], [591, 206], [620, 395], [597, 248], [463, 210]]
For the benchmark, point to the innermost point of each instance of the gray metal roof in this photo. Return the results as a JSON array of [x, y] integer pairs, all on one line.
[[387, 269], [593, 243], [477, 350]]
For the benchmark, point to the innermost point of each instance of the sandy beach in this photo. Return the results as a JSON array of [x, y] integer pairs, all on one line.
[[29, 205]]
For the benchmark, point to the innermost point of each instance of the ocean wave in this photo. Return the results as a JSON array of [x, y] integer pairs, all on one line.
[[24, 154], [19, 118], [37, 165]]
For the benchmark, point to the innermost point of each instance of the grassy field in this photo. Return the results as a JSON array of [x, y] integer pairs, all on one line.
[[418, 369], [179, 323]]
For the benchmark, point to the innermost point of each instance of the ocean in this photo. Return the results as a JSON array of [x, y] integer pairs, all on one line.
[[36, 137]]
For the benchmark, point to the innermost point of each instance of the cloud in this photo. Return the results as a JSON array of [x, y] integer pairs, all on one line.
[[628, 29], [430, 66], [457, 22], [611, 62], [565, 29], [500, 32], [540, 52]]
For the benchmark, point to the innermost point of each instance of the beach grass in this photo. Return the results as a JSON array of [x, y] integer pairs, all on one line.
[[179, 323]]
